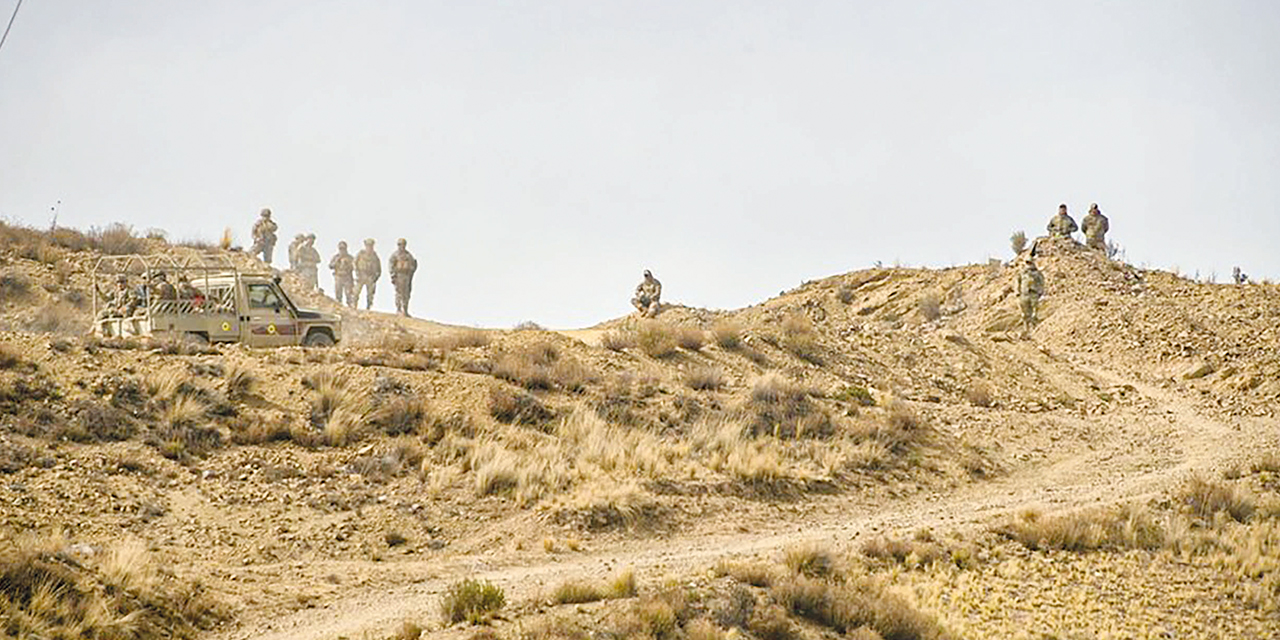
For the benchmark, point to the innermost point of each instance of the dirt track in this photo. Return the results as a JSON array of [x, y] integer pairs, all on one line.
[[1156, 441]]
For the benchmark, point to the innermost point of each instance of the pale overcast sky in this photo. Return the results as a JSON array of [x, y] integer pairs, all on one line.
[[539, 155]]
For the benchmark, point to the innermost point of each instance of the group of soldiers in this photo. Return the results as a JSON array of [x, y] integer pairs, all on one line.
[[127, 299], [351, 274], [1061, 227]]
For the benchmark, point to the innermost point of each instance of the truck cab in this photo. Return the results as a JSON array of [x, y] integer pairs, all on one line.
[[210, 303]]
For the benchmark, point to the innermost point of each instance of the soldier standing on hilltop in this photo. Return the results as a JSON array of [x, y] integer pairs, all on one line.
[[343, 266], [1062, 225], [309, 262], [368, 270], [1095, 227], [402, 266], [648, 298], [1238, 276], [293, 251], [264, 236], [1030, 288]]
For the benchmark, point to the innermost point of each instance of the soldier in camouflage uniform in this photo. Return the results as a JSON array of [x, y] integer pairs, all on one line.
[[402, 266], [298, 241], [343, 266], [264, 236], [368, 270], [309, 262], [1095, 227], [1062, 225], [1030, 288], [648, 298]]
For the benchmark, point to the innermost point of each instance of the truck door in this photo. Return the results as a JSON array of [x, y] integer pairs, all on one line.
[[270, 320]]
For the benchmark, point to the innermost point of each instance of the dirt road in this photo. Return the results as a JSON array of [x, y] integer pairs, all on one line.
[[1152, 444]]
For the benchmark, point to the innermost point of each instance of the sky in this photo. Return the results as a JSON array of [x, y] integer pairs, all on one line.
[[538, 156]]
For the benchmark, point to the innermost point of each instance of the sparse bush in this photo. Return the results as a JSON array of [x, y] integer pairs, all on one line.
[[782, 408], [400, 414], [14, 287], [930, 306], [1125, 527], [691, 338], [756, 574], [851, 607], [117, 239], [340, 409], [773, 623], [812, 561], [1018, 242], [727, 334], [846, 294], [1205, 498], [801, 339], [513, 407], [902, 429], [472, 601], [579, 591], [240, 382], [542, 367], [618, 340], [916, 552], [656, 339], [9, 358], [58, 317], [979, 394], [461, 339], [705, 379], [856, 394]]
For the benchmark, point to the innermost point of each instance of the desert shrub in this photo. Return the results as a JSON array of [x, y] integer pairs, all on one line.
[[705, 379], [856, 394], [1128, 526], [58, 317], [979, 394], [98, 422], [46, 593], [1205, 498], [782, 408], [541, 366], [919, 551], [240, 382], [691, 338], [472, 601], [618, 340], [811, 560], [852, 607], [339, 408], [10, 358], [1268, 463], [253, 429], [930, 306], [902, 429], [461, 339], [801, 339], [117, 239], [846, 294], [773, 623], [528, 325], [657, 616], [513, 407], [656, 339], [580, 591], [400, 414], [1018, 242], [14, 287], [756, 574], [727, 334]]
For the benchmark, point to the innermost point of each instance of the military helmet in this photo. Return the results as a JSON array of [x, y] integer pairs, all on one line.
[[342, 244], [266, 213], [648, 274], [401, 243], [368, 242]]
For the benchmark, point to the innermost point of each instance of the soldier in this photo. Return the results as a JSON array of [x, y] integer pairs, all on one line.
[[264, 236], [309, 262], [648, 298], [160, 287], [1030, 288], [343, 266], [187, 291], [1062, 225], [368, 270], [402, 266], [1238, 276], [1095, 227], [298, 240], [115, 302]]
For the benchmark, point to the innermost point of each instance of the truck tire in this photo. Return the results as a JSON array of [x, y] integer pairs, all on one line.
[[318, 339]]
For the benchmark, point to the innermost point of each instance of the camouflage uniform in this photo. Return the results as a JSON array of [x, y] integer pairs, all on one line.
[[264, 237], [402, 266], [343, 266], [1095, 227], [368, 270], [298, 241], [648, 298], [309, 262], [1238, 276], [1062, 225], [1030, 288], [161, 289]]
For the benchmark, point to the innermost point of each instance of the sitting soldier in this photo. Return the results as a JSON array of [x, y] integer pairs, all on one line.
[[648, 298]]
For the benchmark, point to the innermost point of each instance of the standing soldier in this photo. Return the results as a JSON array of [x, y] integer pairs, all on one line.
[[402, 266], [1030, 288], [264, 236], [1062, 225], [343, 266], [648, 298], [1095, 227], [309, 262], [368, 270], [293, 251]]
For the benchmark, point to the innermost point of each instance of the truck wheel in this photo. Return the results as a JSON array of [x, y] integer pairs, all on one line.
[[318, 339]]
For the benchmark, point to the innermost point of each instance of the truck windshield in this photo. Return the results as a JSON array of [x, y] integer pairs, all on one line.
[[264, 296]]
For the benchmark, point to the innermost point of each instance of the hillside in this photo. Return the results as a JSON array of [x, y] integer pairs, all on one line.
[[327, 493]]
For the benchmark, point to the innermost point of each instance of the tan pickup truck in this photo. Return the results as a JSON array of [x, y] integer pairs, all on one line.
[[204, 299]]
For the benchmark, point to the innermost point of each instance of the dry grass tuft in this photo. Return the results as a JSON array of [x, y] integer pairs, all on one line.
[[517, 407], [705, 379], [851, 607], [781, 408], [1125, 527], [463, 339], [930, 306], [801, 339], [756, 574], [691, 338], [618, 340], [9, 358], [656, 339], [1205, 498], [980, 394], [812, 561], [541, 366], [727, 334], [472, 601], [578, 591], [241, 382], [340, 409]]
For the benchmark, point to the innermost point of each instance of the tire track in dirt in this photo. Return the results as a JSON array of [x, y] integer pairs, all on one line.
[[1102, 473]]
